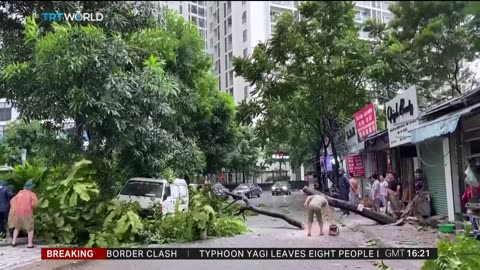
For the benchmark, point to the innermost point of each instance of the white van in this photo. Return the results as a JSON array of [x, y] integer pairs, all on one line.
[[148, 191]]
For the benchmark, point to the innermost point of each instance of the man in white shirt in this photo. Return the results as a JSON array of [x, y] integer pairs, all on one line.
[[376, 194]]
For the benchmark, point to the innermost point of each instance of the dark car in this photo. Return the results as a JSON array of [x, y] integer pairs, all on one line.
[[281, 188], [219, 190], [249, 190]]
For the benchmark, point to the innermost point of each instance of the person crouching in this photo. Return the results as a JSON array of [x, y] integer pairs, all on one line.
[[314, 205]]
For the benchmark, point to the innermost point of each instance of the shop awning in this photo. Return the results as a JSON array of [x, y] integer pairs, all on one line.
[[440, 126]]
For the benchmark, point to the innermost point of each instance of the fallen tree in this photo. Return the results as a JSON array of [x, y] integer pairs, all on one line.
[[378, 217], [249, 207]]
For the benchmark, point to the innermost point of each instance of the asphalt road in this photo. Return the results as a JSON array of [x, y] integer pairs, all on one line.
[[266, 232]]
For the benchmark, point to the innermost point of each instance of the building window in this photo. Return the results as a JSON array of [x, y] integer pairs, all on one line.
[[194, 9], [230, 74], [226, 80], [181, 9], [231, 91], [243, 3], [5, 112], [220, 82], [194, 20], [244, 17], [244, 35], [201, 12], [245, 53], [224, 9], [226, 63], [246, 92]]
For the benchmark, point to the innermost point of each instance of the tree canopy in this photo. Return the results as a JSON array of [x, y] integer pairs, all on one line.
[[431, 44], [144, 93], [309, 75]]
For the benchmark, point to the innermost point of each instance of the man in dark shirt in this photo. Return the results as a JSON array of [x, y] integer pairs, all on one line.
[[394, 189], [343, 188], [5, 196], [420, 184]]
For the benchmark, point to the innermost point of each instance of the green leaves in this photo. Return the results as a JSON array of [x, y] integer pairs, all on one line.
[[310, 73], [461, 254], [430, 44], [143, 91]]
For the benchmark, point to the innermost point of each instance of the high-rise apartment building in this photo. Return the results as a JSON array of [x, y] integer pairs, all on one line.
[[194, 11], [236, 27]]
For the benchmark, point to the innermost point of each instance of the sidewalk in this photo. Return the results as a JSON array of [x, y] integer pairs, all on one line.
[[377, 235]]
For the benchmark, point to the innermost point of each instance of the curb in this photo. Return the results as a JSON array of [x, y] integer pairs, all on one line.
[[7, 242], [68, 265]]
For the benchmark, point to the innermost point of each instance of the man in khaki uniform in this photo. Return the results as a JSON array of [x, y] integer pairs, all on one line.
[[314, 205]]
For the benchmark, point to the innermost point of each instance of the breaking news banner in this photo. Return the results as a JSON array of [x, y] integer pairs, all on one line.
[[239, 253]]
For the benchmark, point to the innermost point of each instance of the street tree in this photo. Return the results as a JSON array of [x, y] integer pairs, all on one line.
[[139, 100], [246, 154], [307, 77], [431, 44]]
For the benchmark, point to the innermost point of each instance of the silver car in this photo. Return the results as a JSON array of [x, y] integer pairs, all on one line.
[[281, 188]]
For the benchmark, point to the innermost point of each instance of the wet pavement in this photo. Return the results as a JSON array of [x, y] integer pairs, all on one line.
[[266, 232]]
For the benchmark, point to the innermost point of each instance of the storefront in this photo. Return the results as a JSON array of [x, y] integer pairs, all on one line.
[[355, 157], [448, 141], [402, 116]]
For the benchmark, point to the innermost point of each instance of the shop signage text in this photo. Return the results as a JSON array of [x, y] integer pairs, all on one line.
[[354, 145], [366, 121], [402, 114], [355, 166]]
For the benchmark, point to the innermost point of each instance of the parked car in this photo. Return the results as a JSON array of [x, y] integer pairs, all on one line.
[[249, 190], [219, 190], [281, 187], [148, 192]]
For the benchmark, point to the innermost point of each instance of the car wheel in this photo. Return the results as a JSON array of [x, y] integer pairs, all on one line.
[[249, 195], [259, 194]]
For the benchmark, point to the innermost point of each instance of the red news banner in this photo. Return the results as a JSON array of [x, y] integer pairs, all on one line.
[[238, 253]]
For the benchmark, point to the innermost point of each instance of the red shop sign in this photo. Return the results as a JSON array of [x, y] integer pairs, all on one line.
[[366, 121], [355, 166]]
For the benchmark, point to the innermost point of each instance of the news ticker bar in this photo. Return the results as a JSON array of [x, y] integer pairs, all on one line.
[[239, 253]]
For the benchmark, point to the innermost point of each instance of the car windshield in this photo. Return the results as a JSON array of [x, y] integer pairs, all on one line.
[[281, 184], [143, 189], [244, 186]]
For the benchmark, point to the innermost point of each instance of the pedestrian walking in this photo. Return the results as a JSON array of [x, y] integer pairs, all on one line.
[[343, 188], [23, 205], [314, 205], [5, 197]]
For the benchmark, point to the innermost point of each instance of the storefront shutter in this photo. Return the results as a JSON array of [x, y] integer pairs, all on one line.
[[433, 168]]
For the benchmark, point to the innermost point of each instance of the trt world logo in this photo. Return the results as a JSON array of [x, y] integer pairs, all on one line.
[[60, 16]]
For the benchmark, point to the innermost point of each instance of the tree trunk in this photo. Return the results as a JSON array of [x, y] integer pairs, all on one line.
[[335, 166], [236, 178], [318, 166], [378, 217], [247, 206], [243, 176]]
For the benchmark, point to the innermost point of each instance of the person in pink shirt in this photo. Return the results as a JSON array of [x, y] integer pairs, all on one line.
[[22, 206]]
